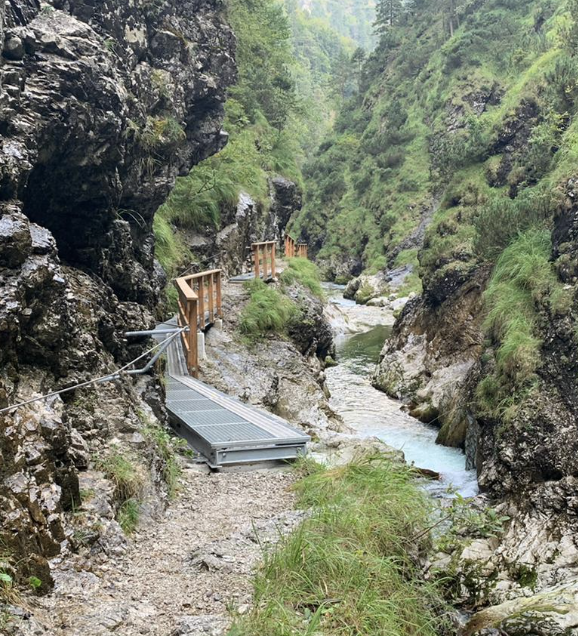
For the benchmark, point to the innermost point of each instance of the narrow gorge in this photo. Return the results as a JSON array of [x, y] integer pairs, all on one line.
[[288, 317]]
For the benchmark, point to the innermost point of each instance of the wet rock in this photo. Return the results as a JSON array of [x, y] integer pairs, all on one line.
[[312, 333], [365, 288], [379, 302], [431, 357], [339, 450], [553, 612]]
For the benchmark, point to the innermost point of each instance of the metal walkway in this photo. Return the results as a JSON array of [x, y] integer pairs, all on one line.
[[224, 430]]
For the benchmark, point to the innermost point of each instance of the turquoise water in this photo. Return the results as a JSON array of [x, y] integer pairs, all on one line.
[[372, 413]]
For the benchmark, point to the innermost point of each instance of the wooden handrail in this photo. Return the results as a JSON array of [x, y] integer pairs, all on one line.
[[199, 306], [264, 259], [294, 249], [290, 246]]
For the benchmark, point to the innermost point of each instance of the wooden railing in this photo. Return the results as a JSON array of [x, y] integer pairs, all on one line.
[[199, 306], [294, 249], [290, 247], [264, 259]]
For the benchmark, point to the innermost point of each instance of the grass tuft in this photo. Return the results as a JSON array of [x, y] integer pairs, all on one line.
[[303, 271], [268, 310], [349, 569], [129, 485]]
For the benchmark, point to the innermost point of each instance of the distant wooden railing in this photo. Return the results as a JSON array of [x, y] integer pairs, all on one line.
[[294, 249], [264, 259], [199, 306], [290, 247]]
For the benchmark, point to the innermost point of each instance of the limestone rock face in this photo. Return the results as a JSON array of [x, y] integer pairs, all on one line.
[[428, 361], [228, 246], [102, 105], [108, 104], [365, 288]]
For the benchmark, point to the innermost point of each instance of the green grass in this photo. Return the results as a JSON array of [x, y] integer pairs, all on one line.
[[165, 445], [128, 480], [303, 271], [412, 283], [522, 281], [128, 515], [170, 249], [268, 310], [349, 569]]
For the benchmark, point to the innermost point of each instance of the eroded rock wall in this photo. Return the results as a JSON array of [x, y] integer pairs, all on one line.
[[102, 105], [229, 245]]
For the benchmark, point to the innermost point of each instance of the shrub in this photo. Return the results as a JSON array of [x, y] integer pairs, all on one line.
[[268, 310], [303, 271], [501, 220]]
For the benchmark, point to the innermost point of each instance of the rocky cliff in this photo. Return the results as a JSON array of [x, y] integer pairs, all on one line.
[[228, 246], [488, 352], [102, 105]]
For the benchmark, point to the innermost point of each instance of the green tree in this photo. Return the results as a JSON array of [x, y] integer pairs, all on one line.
[[387, 14], [263, 55], [572, 32]]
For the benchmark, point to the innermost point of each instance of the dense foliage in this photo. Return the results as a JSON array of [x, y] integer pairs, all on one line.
[[351, 18], [441, 85], [449, 159], [293, 73]]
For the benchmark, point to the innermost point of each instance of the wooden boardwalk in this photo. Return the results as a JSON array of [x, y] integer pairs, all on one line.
[[224, 430]]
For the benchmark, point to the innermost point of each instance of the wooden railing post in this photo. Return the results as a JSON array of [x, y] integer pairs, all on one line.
[[193, 341], [211, 299], [256, 259], [263, 253], [264, 259], [192, 291], [219, 296], [201, 316]]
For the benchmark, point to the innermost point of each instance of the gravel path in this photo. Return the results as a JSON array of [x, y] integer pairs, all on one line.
[[183, 574]]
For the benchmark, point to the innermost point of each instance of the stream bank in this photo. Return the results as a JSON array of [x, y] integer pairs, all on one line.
[[361, 332]]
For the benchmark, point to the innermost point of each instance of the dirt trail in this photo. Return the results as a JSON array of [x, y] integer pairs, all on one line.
[[182, 574]]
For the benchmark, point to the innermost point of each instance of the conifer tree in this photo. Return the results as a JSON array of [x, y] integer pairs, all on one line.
[[388, 13]]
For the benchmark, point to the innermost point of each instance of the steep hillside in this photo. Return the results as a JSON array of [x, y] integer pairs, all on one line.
[[293, 76], [454, 168], [351, 18]]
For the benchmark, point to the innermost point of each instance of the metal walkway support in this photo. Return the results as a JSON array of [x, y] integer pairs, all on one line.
[[224, 430]]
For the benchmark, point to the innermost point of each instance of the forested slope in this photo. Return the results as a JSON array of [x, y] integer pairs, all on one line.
[[294, 72], [351, 18], [457, 159], [439, 103]]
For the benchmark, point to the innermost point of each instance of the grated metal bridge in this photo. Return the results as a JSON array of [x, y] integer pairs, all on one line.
[[224, 430]]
